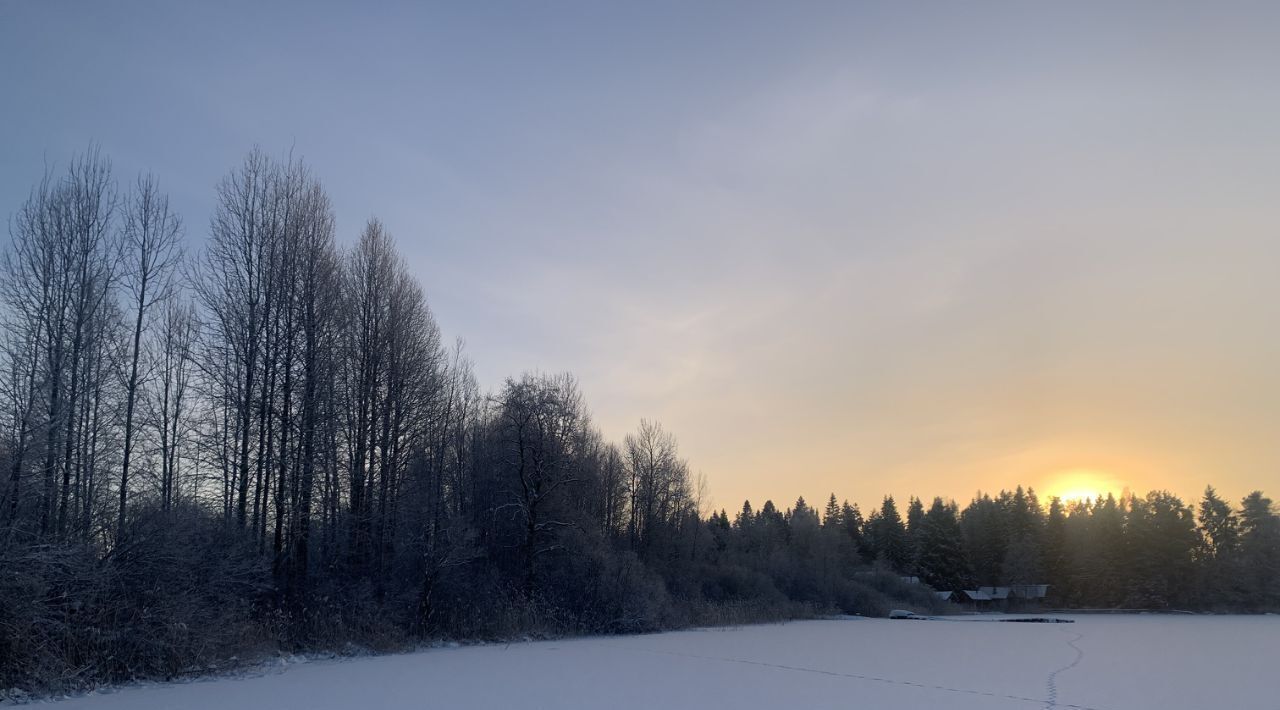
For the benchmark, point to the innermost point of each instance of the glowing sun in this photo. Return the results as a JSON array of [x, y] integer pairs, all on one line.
[[1082, 484]]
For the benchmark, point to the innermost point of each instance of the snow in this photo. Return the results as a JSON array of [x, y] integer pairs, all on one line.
[[1100, 662]]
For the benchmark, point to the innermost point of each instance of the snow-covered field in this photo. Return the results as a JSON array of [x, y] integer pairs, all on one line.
[[1102, 662]]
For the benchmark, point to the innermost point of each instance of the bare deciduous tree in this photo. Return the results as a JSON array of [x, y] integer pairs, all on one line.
[[150, 252]]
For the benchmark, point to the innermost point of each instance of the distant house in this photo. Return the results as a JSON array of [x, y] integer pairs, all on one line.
[[996, 597], [979, 598], [972, 598], [911, 579]]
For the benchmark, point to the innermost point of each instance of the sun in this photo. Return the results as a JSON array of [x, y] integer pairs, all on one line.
[[1081, 495], [1082, 484]]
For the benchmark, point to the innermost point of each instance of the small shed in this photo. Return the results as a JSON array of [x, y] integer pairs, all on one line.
[[979, 598], [972, 598]]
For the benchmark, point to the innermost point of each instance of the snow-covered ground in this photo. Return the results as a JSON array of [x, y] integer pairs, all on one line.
[[1102, 662]]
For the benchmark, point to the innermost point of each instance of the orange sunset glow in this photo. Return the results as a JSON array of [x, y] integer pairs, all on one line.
[[1083, 484]]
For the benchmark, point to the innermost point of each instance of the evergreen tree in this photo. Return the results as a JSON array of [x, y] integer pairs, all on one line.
[[1162, 540], [802, 510], [852, 522], [1078, 587], [1054, 551], [1024, 519], [831, 515], [1260, 551], [803, 527], [1022, 563], [871, 547], [1106, 568], [1220, 583], [986, 539], [915, 517], [941, 559], [889, 536], [1220, 526], [773, 527], [721, 530]]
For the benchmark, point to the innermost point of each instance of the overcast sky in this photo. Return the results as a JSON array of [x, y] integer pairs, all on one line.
[[901, 248]]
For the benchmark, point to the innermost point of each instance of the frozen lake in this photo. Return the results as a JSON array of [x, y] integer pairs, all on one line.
[[1100, 662]]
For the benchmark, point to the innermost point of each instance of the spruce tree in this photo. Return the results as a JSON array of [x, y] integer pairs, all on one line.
[[1220, 526], [941, 559], [831, 516], [1054, 551], [1260, 552], [851, 521], [889, 536], [915, 517]]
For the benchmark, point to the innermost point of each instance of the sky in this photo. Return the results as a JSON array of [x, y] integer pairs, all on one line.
[[862, 248]]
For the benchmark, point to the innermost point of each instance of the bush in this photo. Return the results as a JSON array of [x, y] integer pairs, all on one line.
[[176, 595]]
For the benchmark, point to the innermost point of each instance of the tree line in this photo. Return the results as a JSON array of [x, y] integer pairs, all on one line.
[[1136, 552], [268, 443]]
